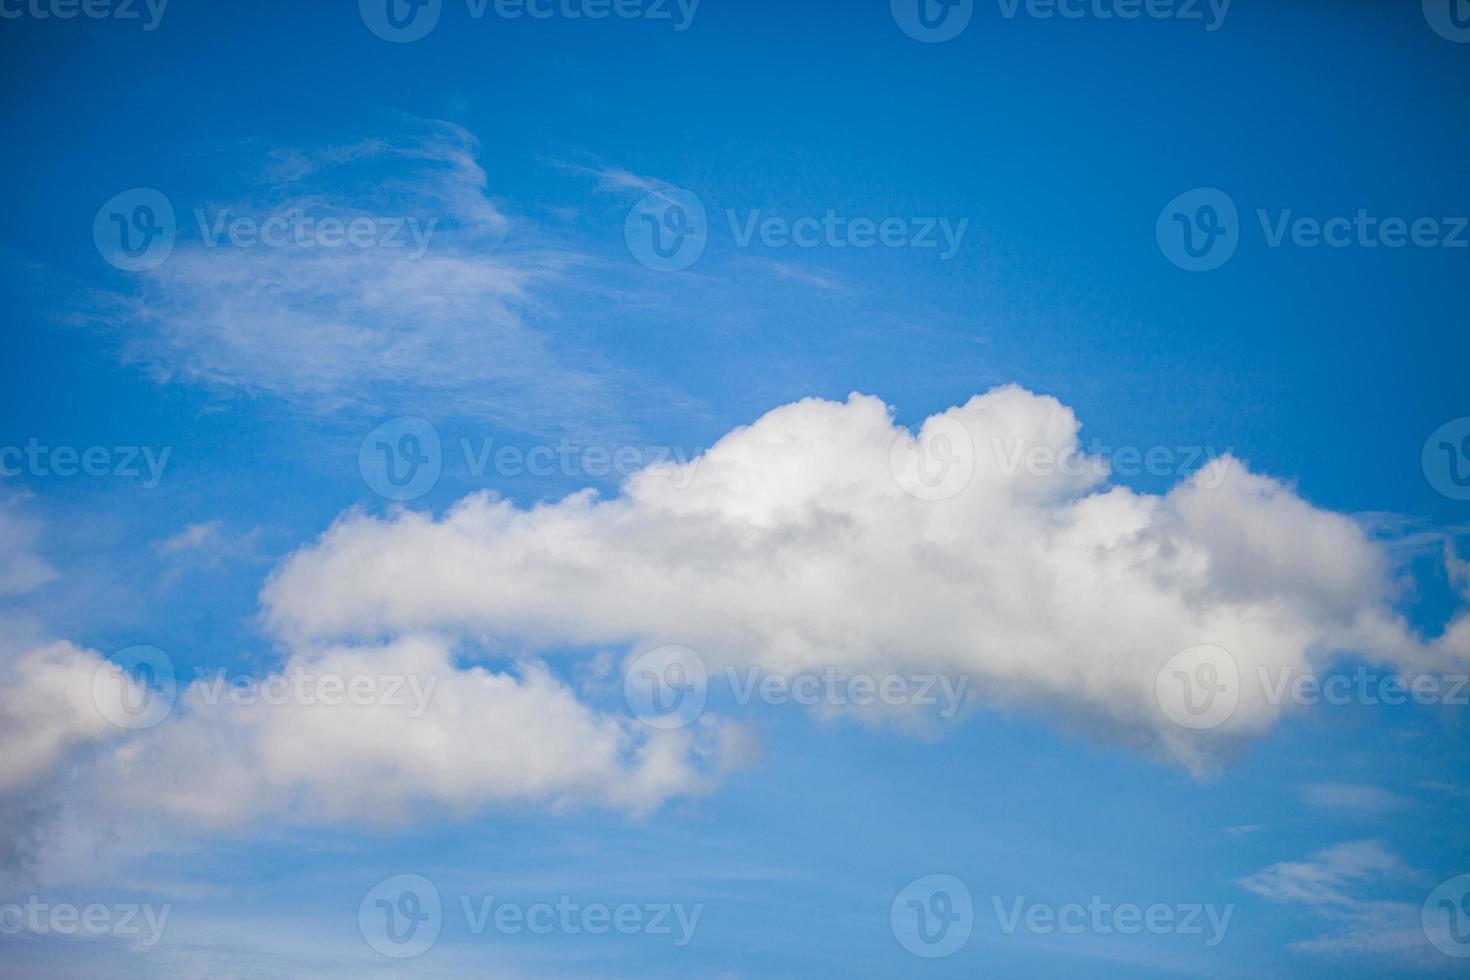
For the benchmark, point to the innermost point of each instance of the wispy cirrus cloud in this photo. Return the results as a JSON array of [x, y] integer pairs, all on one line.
[[1341, 886], [448, 308]]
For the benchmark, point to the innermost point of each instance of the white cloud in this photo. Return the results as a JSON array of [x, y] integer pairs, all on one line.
[[790, 545], [46, 707], [479, 739]]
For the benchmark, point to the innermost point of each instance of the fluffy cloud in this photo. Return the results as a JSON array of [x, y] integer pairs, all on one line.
[[430, 734], [793, 545], [99, 765]]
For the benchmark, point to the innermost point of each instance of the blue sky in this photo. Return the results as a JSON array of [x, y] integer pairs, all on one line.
[[981, 235]]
